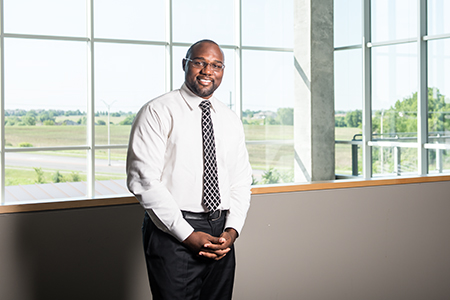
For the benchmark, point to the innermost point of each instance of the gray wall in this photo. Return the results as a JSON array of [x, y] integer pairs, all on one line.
[[389, 242]]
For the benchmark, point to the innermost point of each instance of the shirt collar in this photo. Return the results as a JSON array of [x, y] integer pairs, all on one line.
[[192, 100]]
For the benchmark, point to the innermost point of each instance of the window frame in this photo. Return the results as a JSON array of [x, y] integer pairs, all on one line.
[[91, 40], [366, 143], [422, 145]]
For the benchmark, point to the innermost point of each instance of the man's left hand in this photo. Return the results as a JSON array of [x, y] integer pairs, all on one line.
[[216, 251]]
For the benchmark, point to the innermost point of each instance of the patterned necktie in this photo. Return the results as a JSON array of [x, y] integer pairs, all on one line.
[[211, 195]]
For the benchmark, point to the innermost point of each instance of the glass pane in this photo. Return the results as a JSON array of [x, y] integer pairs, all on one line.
[[438, 91], [347, 22], [268, 111], [394, 161], [45, 92], [110, 174], [268, 23], [178, 75], [271, 163], [348, 92], [196, 20], [394, 92], [45, 176], [126, 77], [129, 19], [226, 91], [439, 160], [47, 17], [393, 19], [438, 12], [348, 159]]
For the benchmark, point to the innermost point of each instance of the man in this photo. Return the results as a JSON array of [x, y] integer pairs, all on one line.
[[193, 179]]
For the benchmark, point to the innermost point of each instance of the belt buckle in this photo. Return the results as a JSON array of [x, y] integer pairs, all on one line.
[[211, 215]]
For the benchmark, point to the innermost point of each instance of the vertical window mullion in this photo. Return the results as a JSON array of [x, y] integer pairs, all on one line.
[[2, 108], [422, 94], [238, 57], [367, 89], [91, 102]]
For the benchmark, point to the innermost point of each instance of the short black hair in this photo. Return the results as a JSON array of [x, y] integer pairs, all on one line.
[[188, 53]]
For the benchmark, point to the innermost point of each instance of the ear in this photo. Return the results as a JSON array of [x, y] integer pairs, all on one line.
[[183, 62]]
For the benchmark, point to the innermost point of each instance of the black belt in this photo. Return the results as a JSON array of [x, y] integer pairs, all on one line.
[[215, 215]]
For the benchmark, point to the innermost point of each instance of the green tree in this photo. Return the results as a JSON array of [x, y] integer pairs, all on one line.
[[49, 122], [82, 121], [270, 121], [29, 120], [354, 118], [128, 120], [339, 121], [25, 144], [271, 176], [254, 181], [12, 120], [75, 176], [247, 114], [285, 116], [58, 177], [402, 116], [46, 115], [39, 175], [439, 111]]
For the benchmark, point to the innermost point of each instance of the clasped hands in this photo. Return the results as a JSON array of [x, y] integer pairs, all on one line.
[[211, 247]]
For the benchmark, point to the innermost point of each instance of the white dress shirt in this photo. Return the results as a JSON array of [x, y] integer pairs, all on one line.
[[165, 161]]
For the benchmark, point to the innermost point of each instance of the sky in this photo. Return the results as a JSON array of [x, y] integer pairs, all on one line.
[[42, 74], [394, 68]]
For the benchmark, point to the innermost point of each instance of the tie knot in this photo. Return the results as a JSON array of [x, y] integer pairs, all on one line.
[[205, 105]]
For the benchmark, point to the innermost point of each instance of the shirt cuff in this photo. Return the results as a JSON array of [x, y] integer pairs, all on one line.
[[234, 222], [181, 229]]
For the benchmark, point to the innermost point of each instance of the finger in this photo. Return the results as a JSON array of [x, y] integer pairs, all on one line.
[[216, 246], [219, 252], [212, 255], [210, 252], [214, 240]]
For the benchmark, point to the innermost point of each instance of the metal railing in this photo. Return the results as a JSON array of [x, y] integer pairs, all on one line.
[[437, 141]]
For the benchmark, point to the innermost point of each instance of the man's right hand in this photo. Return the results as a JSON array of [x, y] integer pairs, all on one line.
[[196, 243]]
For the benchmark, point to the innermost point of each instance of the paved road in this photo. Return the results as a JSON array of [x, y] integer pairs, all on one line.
[[69, 163], [62, 163]]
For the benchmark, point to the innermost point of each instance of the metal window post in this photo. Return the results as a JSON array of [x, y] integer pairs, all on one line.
[[422, 94], [2, 108], [91, 102], [397, 152], [238, 57], [367, 90]]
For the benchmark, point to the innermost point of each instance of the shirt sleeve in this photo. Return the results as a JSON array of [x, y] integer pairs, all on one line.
[[240, 183], [145, 164]]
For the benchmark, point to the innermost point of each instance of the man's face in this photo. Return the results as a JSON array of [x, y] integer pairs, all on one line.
[[203, 81]]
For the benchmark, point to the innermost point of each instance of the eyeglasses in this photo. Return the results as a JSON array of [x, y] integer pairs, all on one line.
[[201, 64]]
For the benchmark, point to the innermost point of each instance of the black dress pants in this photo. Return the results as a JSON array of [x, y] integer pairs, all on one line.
[[177, 273]]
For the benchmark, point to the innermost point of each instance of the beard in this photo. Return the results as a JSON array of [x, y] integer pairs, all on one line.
[[201, 91]]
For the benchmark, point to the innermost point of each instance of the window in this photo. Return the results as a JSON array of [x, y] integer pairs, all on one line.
[[70, 92], [400, 93]]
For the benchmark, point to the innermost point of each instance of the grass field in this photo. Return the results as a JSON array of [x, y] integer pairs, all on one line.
[[24, 176], [262, 156]]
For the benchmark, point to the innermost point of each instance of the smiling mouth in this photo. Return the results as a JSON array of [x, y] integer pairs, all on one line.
[[205, 81]]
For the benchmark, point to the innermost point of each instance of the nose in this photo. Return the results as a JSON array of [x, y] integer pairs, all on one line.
[[207, 69]]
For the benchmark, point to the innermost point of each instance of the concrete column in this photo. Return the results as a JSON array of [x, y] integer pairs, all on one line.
[[314, 90]]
